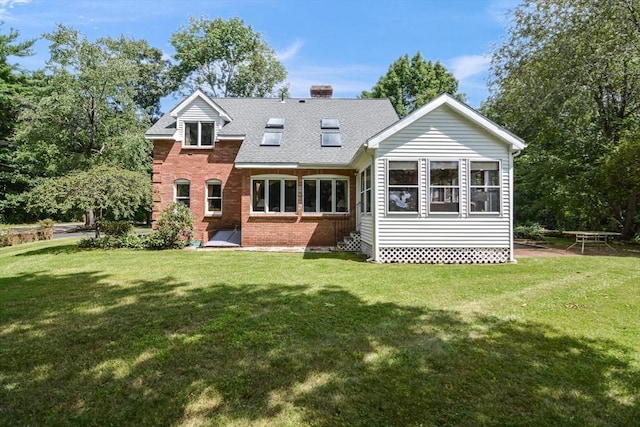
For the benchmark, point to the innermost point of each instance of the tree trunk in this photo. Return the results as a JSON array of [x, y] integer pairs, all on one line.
[[628, 229]]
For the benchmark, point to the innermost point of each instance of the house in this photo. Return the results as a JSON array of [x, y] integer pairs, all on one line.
[[434, 187]]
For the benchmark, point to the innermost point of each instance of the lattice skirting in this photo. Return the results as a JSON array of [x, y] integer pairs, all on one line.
[[366, 249], [444, 255]]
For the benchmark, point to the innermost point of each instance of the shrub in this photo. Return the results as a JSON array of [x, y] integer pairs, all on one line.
[[114, 228], [130, 241], [46, 229], [531, 231], [6, 235], [174, 229]]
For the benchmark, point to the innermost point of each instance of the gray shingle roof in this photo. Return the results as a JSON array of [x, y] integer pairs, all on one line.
[[359, 119]]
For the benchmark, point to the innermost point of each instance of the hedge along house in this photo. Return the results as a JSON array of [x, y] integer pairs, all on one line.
[[435, 186]]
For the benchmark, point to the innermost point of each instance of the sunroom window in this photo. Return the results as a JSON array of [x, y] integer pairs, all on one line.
[[182, 192], [274, 195], [326, 195], [485, 187], [402, 188], [444, 186], [199, 134], [214, 196], [365, 190]]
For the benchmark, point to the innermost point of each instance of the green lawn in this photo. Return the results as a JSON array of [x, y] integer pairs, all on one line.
[[243, 338]]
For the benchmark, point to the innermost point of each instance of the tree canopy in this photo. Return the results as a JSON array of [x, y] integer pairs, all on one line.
[[568, 81], [411, 83], [101, 189], [225, 58]]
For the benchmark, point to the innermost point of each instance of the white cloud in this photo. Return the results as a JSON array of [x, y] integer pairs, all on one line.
[[500, 10], [8, 4], [291, 51], [467, 66]]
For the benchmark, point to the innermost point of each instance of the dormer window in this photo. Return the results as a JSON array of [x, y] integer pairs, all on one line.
[[199, 134]]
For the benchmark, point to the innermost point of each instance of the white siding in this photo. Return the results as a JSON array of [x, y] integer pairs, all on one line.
[[442, 135], [197, 110]]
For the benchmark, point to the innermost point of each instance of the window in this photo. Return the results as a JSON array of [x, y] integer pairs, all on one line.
[[330, 124], [444, 187], [271, 138], [402, 186], [485, 187], [275, 123], [274, 195], [182, 190], [331, 140], [214, 196], [199, 134], [365, 190], [326, 195]]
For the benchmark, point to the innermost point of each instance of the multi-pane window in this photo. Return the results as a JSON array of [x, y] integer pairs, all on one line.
[[402, 186], [485, 187], [444, 186], [182, 190], [365, 190], [199, 134], [274, 195], [326, 195], [214, 196]]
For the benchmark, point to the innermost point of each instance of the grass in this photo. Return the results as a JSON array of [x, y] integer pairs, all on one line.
[[237, 338]]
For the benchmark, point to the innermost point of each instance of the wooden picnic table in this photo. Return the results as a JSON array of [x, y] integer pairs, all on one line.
[[596, 237]]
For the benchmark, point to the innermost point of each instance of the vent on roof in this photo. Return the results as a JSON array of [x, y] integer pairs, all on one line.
[[275, 123], [271, 138], [330, 124], [331, 139]]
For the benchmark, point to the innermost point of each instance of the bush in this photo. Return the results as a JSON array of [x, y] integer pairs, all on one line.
[[531, 231], [46, 229], [174, 229], [130, 241], [6, 235], [114, 228]]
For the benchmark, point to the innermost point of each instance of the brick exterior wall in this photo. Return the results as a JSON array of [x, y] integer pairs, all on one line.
[[172, 162]]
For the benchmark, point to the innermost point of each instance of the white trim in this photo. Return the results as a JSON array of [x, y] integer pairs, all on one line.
[[181, 181], [387, 184], [199, 144], [199, 94], [276, 177], [461, 108]]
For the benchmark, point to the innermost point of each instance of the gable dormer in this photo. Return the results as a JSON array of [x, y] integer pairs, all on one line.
[[198, 120]]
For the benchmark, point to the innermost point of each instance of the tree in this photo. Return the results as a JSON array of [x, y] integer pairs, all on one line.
[[568, 81], [91, 106], [225, 58], [13, 85], [101, 189], [409, 84]]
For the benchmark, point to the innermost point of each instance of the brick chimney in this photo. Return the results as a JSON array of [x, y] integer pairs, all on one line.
[[321, 91]]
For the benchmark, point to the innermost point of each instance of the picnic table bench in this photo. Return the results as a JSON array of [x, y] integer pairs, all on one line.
[[596, 237]]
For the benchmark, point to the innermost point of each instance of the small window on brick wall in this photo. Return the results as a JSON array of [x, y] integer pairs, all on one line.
[[182, 192], [214, 196]]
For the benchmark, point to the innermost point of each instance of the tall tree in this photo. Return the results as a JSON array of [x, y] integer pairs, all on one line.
[[568, 81], [225, 58], [13, 84], [411, 83], [92, 106]]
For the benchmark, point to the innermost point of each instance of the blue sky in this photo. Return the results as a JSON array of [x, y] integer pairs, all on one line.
[[348, 44]]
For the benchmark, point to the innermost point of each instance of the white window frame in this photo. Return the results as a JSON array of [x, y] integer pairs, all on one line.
[[268, 179], [486, 186], [389, 187], [365, 202], [334, 201], [431, 187], [199, 142], [211, 197], [181, 199]]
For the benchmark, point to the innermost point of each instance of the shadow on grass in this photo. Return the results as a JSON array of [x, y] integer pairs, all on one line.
[[52, 250], [171, 353]]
